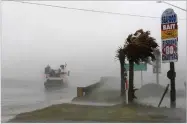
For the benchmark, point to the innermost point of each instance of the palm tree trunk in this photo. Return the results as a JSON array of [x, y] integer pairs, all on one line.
[[122, 79], [131, 81]]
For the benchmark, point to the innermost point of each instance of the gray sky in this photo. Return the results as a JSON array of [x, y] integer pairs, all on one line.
[[34, 36]]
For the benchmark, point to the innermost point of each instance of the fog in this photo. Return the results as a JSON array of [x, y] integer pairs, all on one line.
[[34, 36]]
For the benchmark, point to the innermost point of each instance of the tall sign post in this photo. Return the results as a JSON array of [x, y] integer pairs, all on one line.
[[169, 36], [157, 64], [141, 78]]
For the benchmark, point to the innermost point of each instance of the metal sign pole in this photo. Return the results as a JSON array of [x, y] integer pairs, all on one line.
[[127, 97], [157, 64], [185, 88], [126, 92], [141, 78], [157, 72], [171, 76]]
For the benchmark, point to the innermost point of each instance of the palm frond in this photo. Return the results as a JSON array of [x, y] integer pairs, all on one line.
[[120, 54], [139, 46]]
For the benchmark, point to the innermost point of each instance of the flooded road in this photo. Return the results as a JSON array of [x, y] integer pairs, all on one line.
[[29, 96]]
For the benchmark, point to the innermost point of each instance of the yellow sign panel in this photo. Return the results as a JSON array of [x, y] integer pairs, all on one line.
[[167, 34]]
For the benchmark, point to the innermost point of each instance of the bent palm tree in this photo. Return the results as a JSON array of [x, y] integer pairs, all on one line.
[[120, 55], [138, 48]]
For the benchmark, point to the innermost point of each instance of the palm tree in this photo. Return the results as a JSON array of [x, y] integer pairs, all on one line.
[[138, 48], [120, 55]]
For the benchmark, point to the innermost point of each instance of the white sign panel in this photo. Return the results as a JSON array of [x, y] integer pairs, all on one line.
[[169, 36]]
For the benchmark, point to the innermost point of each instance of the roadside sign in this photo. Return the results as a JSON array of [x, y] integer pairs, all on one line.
[[169, 36], [155, 71], [157, 62], [140, 67]]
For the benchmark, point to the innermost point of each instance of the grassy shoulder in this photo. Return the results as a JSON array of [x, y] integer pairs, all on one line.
[[74, 112]]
